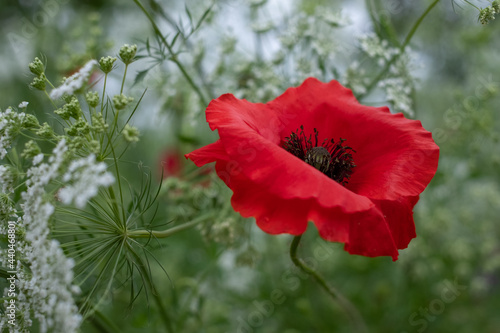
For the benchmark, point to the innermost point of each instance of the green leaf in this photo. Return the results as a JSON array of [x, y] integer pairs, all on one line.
[[140, 76]]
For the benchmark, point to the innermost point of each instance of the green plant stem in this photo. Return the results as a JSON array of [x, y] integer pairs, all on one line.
[[103, 324], [371, 12], [50, 99], [344, 303], [159, 302], [124, 76], [473, 5], [407, 40], [168, 232], [173, 57], [50, 83], [104, 91]]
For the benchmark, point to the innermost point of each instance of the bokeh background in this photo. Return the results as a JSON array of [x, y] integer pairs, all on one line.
[[221, 276]]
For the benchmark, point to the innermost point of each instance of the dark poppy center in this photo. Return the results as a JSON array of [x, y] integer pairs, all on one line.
[[330, 157]]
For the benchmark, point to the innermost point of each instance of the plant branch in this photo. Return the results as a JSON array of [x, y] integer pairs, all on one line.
[[407, 40], [165, 316], [169, 232], [173, 56], [344, 303]]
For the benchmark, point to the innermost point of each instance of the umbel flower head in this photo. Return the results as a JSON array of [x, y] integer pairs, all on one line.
[[316, 154]]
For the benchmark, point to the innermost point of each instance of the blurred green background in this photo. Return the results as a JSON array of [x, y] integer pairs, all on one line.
[[223, 275]]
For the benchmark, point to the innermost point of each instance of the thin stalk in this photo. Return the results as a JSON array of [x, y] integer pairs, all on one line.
[[371, 12], [103, 324], [124, 76], [50, 83], [114, 203], [164, 315], [407, 40], [118, 181], [50, 99], [345, 304], [173, 57], [168, 232], [473, 5], [104, 91]]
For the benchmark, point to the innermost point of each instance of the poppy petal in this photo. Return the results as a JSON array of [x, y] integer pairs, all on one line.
[[373, 214], [395, 156], [399, 217], [207, 154]]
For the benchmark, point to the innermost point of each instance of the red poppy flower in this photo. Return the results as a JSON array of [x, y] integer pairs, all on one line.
[[316, 154]]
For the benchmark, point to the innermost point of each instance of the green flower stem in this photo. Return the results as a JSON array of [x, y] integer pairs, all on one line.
[[50, 99], [104, 92], [123, 81], [173, 57], [164, 315], [371, 12], [344, 303], [417, 24], [473, 5], [103, 324], [168, 232], [50, 83], [407, 40], [4, 274]]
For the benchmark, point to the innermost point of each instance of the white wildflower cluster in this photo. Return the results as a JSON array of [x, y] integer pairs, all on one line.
[[23, 105], [316, 27], [378, 49], [6, 179], [86, 177], [75, 81], [398, 84], [398, 94], [262, 27], [355, 78], [47, 291], [332, 17], [261, 86], [10, 124]]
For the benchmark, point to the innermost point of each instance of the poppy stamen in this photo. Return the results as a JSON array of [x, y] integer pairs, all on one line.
[[331, 158]]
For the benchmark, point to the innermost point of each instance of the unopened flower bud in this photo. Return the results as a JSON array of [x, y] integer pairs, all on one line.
[[39, 82], [36, 67], [46, 131], [130, 133], [496, 6], [106, 64], [98, 123], [92, 98], [30, 121], [31, 149], [486, 15], [121, 101], [127, 53]]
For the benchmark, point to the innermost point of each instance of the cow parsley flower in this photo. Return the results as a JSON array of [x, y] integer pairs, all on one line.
[[377, 49], [6, 179], [398, 94], [23, 105], [355, 78], [75, 81], [10, 124], [86, 176], [47, 291]]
